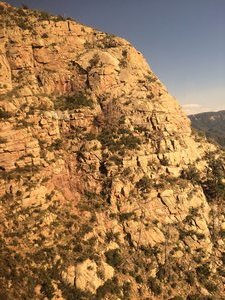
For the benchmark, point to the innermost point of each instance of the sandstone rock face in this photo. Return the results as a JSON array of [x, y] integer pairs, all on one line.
[[85, 275], [105, 191]]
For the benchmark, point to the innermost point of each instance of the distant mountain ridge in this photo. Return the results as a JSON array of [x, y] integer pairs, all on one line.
[[212, 123]]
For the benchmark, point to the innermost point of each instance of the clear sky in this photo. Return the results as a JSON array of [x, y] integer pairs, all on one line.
[[183, 40]]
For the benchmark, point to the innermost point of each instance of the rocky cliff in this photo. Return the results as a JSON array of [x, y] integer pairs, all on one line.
[[212, 124], [105, 192]]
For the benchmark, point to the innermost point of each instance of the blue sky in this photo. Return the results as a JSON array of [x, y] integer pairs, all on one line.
[[183, 40]]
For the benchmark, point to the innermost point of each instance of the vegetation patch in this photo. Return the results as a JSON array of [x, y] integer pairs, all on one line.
[[117, 139], [72, 102], [114, 257], [3, 140], [56, 145], [191, 174], [144, 184], [110, 287], [154, 286], [125, 216], [5, 114]]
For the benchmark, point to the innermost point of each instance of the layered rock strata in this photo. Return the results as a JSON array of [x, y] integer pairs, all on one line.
[[105, 191]]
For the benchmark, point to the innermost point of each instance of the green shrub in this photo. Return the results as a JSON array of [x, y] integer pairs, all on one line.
[[127, 172], [72, 293], [164, 161], [200, 236], [123, 63], [191, 174], [124, 131], [211, 287], [124, 53], [110, 287], [90, 136], [24, 24], [111, 236], [217, 167], [148, 251], [94, 60], [203, 271], [5, 114], [144, 184], [47, 289], [116, 159], [190, 278], [109, 41], [139, 279], [130, 141], [161, 274], [107, 138], [73, 102], [58, 18], [90, 195], [141, 129], [125, 216], [118, 139], [114, 258], [56, 145], [3, 140], [126, 290], [194, 211], [6, 197], [44, 16], [213, 189], [44, 36], [88, 45], [154, 286], [21, 12], [223, 257], [20, 171], [221, 271], [150, 78]]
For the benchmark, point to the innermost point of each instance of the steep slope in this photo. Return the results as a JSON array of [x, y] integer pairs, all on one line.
[[105, 192], [212, 124]]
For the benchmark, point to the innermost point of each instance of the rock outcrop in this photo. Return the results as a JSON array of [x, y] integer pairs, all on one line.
[[105, 191]]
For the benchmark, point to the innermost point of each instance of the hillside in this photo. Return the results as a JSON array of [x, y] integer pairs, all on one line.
[[212, 124], [105, 192]]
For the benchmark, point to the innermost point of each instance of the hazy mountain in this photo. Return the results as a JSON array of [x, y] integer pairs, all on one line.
[[212, 124]]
